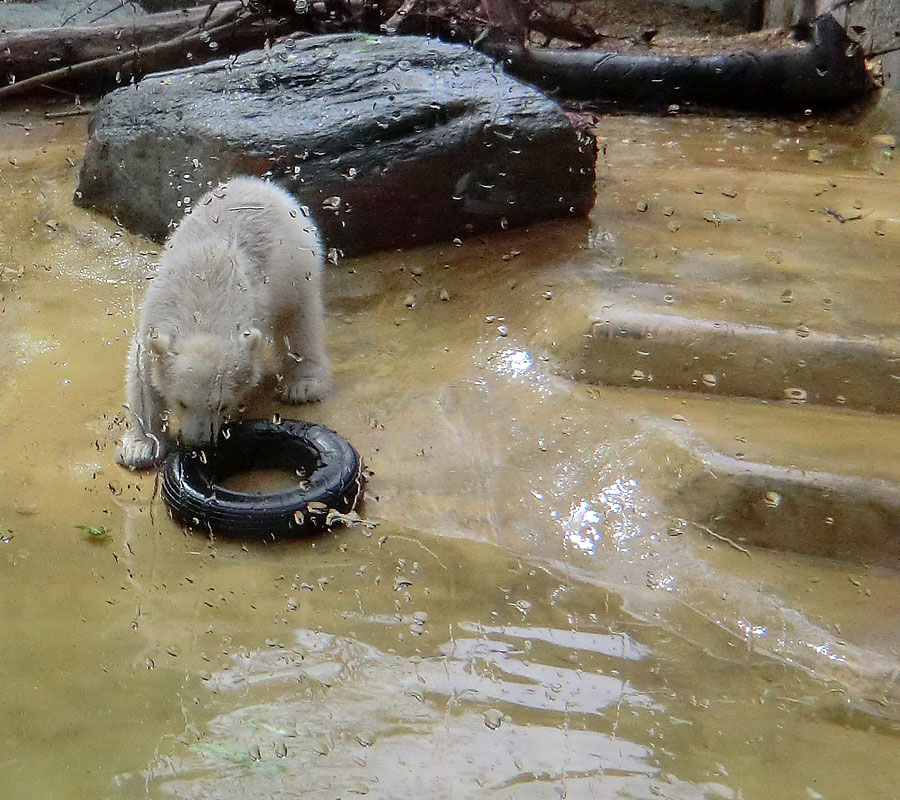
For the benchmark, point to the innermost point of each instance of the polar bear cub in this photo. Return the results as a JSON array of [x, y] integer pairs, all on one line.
[[242, 272]]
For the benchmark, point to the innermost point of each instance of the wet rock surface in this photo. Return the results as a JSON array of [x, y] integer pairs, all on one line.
[[388, 141]]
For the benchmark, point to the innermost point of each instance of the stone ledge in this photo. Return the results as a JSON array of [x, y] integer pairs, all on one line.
[[639, 349], [783, 508]]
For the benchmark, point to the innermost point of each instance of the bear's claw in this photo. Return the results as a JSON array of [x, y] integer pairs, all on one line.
[[136, 452]]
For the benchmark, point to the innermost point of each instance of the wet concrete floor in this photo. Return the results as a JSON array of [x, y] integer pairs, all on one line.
[[531, 618]]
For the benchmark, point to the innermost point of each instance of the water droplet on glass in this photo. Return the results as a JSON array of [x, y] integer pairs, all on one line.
[[493, 718], [710, 380], [404, 65], [772, 499], [795, 395], [802, 330], [637, 375], [409, 301]]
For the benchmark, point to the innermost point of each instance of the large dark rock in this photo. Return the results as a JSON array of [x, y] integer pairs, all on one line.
[[389, 141]]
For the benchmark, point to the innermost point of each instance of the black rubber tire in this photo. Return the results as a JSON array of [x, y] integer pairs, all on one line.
[[333, 469]]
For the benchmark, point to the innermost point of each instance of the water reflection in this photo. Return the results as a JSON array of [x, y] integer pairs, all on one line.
[[512, 362], [825, 650], [613, 512], [502, 717], [752, 631], [620, 645]]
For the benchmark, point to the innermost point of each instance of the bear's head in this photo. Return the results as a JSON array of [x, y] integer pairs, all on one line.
[[205, 379]]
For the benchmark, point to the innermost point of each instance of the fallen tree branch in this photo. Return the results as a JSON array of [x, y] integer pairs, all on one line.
[[397, 19], [25, 53], [828, 72], [236, 29]]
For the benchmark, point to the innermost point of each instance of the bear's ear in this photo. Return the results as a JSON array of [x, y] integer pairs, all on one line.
[[253, 339], [159, 343]]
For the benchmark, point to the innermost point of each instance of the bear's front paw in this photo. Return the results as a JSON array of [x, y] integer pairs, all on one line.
[[307, 389], [137, 452]]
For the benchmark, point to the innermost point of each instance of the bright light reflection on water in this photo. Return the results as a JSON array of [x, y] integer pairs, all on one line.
[[612, 512], [752, 631], [822, 650], [513, 362]]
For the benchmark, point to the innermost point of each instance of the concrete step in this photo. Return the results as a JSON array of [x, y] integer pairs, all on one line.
[[659, 351], [841, 517]]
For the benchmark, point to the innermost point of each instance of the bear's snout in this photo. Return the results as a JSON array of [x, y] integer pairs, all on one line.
[[198, 430]]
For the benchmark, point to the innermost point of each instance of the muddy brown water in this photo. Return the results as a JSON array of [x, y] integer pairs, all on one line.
[[527, 620]]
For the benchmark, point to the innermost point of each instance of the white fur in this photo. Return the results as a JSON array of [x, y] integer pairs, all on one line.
[[243, 269]]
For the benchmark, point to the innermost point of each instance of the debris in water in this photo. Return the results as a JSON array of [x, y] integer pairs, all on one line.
[[94, 531]]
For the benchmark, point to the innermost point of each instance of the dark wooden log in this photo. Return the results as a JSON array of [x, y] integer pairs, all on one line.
[[99, 56], [827, 72]]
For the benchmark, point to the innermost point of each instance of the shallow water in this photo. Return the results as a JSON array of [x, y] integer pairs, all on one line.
[[522, 622]]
